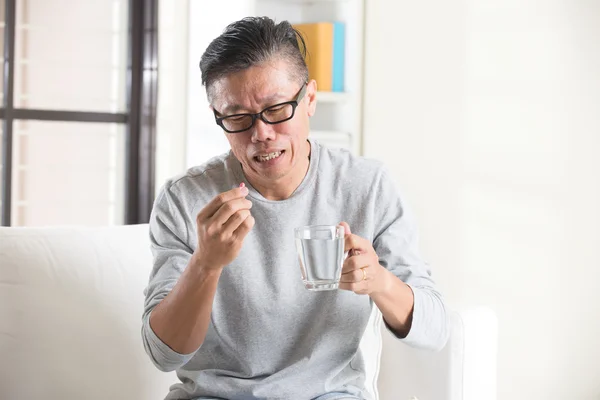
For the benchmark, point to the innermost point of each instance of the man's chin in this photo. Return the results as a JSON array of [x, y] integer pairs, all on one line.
[[266, 174], [271, 176]]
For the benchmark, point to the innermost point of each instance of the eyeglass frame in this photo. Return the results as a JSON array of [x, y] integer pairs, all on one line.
[[294, 103]]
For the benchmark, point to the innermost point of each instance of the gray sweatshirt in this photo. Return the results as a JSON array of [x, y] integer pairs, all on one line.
[[270, 338]]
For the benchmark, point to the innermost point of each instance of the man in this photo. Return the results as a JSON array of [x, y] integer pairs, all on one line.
[[225, 305]]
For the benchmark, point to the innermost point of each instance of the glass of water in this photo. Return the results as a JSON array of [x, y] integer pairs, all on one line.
[[321, 255]]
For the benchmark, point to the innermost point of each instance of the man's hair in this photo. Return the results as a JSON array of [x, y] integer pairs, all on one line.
[[253, 41]]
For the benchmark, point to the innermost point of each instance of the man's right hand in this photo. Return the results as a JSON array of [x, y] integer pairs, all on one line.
[[182, 318], [222, 226]]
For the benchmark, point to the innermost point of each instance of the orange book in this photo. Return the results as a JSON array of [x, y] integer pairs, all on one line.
[[319, 48]]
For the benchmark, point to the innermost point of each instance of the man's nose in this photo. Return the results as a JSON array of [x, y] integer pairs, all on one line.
[[262, 131]]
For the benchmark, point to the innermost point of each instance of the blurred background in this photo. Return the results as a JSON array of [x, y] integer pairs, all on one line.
[[487, 114]]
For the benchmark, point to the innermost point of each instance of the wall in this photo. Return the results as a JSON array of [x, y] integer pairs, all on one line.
[[488, 114]]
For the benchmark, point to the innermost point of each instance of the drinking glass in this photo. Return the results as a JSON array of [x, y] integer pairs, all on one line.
[[321, 255]]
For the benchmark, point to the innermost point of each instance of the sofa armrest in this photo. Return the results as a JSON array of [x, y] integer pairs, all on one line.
[[473, 360], [464, 370]]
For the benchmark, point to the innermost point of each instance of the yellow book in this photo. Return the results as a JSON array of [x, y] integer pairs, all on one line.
[[319, 48]]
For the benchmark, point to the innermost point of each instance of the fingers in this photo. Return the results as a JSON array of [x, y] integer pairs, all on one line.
[[354, 243], [244, 228], [356, 262], [357, 287], [355, 276], [230, 208], [358, 280], [235, 221], [215, 204]]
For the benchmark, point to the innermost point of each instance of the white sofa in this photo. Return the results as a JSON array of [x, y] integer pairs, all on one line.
[[70, 307]]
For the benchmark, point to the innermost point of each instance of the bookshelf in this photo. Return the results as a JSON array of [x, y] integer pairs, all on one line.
[[311, 1], [338, 120]]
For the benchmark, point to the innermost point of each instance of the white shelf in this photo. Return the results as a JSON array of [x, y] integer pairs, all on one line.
[[305, 1], [320, 132], [62, 167], [333, 138], [333, 97]]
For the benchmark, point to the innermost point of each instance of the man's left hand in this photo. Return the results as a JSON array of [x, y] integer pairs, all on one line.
[[362, 272]]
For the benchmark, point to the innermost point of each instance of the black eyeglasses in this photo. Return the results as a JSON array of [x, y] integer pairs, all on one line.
[[272, 115]]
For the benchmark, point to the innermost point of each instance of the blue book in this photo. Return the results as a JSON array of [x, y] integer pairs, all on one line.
[[339, 46]]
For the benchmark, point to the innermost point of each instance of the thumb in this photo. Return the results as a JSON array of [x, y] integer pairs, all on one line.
[[346, 228]]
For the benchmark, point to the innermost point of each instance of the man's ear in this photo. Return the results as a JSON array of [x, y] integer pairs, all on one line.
[[311, 97]]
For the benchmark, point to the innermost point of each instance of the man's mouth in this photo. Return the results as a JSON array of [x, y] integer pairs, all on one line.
[[268, 156]]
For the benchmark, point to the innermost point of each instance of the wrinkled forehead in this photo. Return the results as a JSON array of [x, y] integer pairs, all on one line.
[[253, 87]]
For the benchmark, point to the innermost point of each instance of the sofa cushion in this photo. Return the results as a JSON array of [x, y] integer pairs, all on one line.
[[70, 314]]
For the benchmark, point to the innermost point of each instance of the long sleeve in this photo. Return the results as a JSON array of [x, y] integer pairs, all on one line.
[[396, 244], [168, 238]]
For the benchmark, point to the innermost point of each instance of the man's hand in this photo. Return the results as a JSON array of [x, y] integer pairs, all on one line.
[[362, 272], [222, 226]]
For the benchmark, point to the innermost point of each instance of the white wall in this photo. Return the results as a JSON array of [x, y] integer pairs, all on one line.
[[488, 114]]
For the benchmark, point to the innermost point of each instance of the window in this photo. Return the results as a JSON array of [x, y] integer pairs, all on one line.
[[78, 111]]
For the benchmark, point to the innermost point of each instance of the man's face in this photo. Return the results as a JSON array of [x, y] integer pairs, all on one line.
[[275, 154]]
